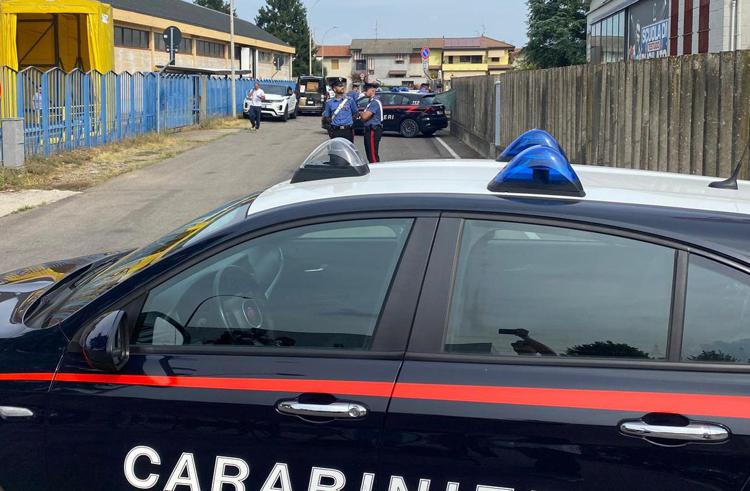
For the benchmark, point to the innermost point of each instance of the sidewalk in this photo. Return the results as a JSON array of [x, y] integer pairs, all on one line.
[[122, 159]]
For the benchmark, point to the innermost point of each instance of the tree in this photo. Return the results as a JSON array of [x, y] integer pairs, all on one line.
[[219, 5], [607, 349], [287, 20], [557, 33]]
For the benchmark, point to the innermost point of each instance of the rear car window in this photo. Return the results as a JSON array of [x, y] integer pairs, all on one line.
[[717, 313], [530, 290]]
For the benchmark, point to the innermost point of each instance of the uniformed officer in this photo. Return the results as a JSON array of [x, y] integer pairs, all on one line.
[[373, 122], [354, 93], [340, 113]]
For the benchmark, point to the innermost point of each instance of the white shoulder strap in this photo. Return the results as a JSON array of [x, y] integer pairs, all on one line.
[[343, 103]]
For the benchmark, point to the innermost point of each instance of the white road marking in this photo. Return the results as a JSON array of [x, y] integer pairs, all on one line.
[[447, 147]]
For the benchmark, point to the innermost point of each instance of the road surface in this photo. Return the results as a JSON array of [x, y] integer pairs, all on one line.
[[136, 208]]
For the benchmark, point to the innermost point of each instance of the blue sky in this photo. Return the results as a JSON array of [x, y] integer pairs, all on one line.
[[500, 19]]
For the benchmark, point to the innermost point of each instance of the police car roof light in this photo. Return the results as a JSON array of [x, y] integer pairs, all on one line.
[[332, 159], [538, 170], [528, 140]]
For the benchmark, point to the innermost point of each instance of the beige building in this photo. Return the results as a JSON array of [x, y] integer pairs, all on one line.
[[337, 60], [139, 25], [398, 62]]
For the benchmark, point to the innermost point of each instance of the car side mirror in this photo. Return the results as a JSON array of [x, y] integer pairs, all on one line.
[[106, 344]]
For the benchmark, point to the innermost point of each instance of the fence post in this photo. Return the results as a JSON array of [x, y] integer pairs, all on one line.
[[87, 109], [118, 107], [69, 111], [131, 115], [498, 111], [103, 110], [158, 102], [45, 112]]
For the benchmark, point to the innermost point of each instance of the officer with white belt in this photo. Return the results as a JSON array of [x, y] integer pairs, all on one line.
[[373, 122], [340, 113]]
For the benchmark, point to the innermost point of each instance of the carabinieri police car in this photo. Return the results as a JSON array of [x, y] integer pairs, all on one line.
[[414, 326]]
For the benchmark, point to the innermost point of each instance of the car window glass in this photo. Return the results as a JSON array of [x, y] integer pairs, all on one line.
[[717, 313], [535, 290], [319, 286], [362, 102], [387, 99]]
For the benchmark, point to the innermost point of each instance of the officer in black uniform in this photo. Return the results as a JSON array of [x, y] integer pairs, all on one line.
[[340, 113], [373, 122]]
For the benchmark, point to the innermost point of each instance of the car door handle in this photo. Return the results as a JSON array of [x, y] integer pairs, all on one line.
[[334, 410], [11, 412], [693, 432]]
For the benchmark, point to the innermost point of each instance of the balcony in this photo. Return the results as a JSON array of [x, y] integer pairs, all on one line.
[[465, 67]]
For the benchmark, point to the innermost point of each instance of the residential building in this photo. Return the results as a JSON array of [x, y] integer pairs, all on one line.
[[467, 57], [139, 46], [398, 62], [634, 30], [337, 60], [392, 62]]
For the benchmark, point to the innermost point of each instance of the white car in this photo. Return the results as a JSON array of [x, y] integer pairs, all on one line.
[[279, 103]]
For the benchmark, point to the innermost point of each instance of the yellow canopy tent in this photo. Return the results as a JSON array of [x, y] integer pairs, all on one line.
[[56, 33]]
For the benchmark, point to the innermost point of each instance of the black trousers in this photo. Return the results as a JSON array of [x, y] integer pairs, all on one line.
[[373, 134], [342, 132]]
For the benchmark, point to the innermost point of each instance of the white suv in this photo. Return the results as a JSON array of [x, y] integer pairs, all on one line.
[[281, 102]]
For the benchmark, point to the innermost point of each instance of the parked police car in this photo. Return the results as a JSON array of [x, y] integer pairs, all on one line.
[[408, 113], [454, 325]]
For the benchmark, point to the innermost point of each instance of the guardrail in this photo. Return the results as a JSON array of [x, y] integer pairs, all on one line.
[[63, 111]]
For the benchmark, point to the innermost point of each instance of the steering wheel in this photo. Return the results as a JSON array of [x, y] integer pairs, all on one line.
[[240, 298]]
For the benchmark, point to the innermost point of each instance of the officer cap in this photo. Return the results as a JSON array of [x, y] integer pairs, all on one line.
[[338, 82], [369, 86]]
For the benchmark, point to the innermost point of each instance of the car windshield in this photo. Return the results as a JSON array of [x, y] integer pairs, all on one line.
[[198, 229], [276, 89]]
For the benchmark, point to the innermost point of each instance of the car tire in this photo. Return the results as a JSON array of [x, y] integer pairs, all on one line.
[[294, 114], [409, 128], [285, 117]]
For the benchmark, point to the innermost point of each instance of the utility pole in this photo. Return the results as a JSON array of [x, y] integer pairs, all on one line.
[[231, 58]]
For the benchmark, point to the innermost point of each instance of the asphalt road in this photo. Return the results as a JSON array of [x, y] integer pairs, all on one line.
[[137, 208]]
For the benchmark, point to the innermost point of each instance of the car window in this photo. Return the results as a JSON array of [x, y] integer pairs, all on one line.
[[536, 290], [717, 313], [363, 101], [387, 99], [319, 286]]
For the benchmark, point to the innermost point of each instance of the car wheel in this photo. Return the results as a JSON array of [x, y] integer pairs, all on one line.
[[409, 128], [294, 114], [285, 117]]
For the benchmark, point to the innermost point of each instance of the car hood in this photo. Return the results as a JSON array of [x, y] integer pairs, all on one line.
[[275, 98], [270, 98], [19, 289]]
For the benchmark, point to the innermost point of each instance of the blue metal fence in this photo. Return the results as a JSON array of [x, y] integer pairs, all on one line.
[[63, 111]]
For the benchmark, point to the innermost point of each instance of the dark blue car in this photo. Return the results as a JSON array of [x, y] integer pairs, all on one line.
[[407, 327]]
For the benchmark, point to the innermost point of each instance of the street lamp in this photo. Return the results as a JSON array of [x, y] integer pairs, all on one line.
[[323, 43], [310, 40]]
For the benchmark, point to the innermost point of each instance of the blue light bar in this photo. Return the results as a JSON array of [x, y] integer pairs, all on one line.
[[528, 140], [538, 170]]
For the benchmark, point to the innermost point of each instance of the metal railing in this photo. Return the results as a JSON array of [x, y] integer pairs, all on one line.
[[67, 110]]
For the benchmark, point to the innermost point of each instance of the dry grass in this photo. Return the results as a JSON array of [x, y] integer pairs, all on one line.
[[224, 124], [80, 169]]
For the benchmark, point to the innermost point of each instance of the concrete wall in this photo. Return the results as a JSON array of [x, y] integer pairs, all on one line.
[[383, 64], [344, 70]]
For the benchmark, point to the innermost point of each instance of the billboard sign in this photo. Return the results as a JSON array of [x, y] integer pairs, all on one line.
[[648, 31]]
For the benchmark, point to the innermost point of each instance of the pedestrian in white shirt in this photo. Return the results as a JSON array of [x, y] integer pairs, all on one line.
[[256, 96]]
